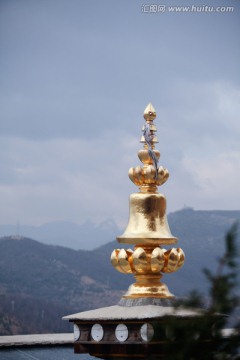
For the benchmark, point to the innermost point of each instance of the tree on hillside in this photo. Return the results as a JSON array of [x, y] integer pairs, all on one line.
[[204, 337]]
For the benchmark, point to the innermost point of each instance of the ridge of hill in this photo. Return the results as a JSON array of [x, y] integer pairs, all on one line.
[[40, 283]]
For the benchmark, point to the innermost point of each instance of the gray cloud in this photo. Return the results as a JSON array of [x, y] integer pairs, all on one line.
[[75, 79]]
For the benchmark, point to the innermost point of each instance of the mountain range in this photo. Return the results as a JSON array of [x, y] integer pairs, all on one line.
[[186, 224], [39, 283], [86, 236]]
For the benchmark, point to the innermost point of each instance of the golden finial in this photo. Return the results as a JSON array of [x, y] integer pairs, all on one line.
[[148, 227], [150, 175]]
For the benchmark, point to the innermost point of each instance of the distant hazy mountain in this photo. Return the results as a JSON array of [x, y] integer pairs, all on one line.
[[86, 236], [201, 235], [187, 224], [51, 281]]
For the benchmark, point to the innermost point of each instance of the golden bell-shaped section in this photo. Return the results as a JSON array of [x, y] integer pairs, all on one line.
[[148, 227], [147, 221]]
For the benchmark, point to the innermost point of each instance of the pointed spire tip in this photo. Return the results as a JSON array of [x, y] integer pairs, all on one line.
[[149, 113]]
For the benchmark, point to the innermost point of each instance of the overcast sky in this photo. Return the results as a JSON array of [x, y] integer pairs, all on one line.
[[75, 78]]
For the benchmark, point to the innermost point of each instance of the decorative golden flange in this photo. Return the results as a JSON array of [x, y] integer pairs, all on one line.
[[145, 260], [148, 227]]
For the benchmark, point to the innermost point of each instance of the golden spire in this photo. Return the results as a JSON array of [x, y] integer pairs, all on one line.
[[149, 176], [148, 228]]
